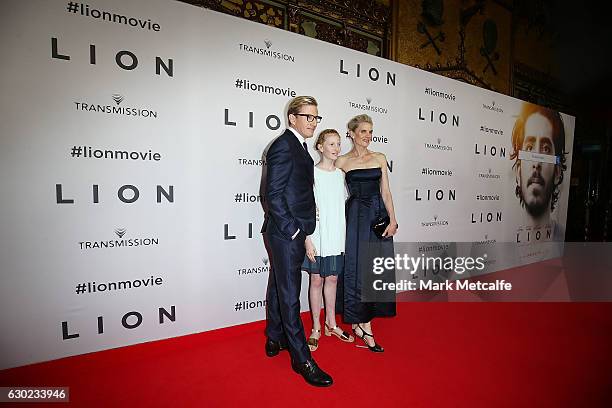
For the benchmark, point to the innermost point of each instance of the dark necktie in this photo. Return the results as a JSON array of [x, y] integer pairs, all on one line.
[[305, 146]]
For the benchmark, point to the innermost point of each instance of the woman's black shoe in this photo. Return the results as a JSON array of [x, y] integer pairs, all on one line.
[[376, 348]]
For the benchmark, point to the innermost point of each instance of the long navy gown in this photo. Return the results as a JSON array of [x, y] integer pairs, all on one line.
[[363, 207]]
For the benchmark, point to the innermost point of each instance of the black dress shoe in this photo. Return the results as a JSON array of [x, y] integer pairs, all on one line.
[[273, 347], [312, 373]]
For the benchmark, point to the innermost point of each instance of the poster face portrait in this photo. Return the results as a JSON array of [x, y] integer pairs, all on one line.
[[538, 130]]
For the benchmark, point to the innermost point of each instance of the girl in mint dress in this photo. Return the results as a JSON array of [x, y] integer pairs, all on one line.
[[325, 247]]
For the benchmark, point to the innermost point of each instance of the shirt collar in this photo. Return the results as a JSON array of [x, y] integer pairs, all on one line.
[[295, 132]]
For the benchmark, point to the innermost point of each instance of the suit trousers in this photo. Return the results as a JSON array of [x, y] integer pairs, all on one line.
[[283, 298]]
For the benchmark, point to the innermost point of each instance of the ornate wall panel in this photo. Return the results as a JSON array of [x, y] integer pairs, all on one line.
[[465, 40], [363, 25], [427, 41]]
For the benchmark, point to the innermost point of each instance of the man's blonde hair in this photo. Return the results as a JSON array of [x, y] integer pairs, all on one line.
[[299, 101]]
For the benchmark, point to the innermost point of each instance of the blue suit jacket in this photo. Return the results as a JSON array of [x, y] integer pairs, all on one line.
[[289, 188]]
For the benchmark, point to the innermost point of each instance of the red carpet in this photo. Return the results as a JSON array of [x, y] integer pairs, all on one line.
[[437, 354]]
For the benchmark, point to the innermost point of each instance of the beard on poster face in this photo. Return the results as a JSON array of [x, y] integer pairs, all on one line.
[[537, 184]]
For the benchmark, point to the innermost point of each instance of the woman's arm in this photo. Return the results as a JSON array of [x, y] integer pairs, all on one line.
[[385, 192]]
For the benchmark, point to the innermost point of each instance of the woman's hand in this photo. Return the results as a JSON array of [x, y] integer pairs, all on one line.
[[391, 230], [311, 251]]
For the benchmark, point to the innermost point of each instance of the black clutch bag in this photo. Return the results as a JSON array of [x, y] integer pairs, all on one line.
[[380, 225]]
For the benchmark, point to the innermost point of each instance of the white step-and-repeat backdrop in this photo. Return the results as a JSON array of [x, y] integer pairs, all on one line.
[[131, 147]]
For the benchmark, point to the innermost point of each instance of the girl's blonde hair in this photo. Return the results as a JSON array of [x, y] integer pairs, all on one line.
[[323, 135]]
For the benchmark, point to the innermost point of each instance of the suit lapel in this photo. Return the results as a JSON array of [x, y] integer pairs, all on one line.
[[305, 156], [310, 164], [299, 146], [308, 157]]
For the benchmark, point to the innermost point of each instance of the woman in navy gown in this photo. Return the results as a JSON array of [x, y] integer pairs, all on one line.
[[369, 200]]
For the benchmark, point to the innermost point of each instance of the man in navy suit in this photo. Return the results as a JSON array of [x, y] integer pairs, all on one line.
[[290, 218]]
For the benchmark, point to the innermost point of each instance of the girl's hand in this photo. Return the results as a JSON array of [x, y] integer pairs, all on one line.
[[311, 251]]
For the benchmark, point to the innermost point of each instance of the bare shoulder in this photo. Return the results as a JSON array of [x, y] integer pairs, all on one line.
[[380, 157], [341, 160]]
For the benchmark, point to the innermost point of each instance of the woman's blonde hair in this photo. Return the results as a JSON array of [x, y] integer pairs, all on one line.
[[354, 123]]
